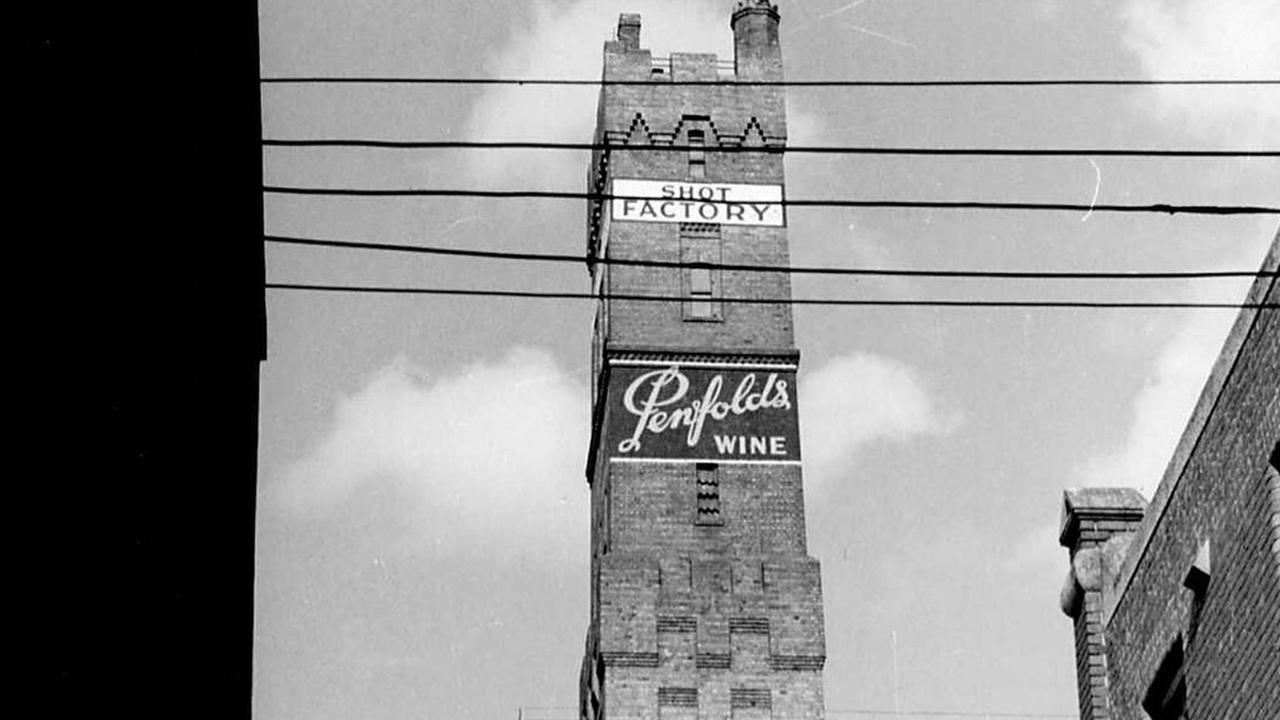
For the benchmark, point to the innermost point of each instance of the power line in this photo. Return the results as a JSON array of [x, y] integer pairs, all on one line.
[[945, 714], [533, 294], [568, 714], [893, 713], [930, 204], [792, 149], [1070, 82], [802, 270]]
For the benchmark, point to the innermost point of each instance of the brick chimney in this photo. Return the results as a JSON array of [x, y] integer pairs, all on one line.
[[1097, 526], [629, 31], [757, 54]]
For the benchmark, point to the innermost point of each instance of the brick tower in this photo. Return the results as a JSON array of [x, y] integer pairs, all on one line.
[[704, 602]]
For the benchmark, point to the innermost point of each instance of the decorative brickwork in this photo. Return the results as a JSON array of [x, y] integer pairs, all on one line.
[[749, 625], [750, 698], [1188, 623], [704, 601], [714, 661], [678, 697], [677, 623]]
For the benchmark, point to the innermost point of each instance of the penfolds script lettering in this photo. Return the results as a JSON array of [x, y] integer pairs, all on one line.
[[661, 402]]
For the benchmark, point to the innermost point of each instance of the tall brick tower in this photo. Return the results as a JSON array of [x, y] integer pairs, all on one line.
[[704, 601]]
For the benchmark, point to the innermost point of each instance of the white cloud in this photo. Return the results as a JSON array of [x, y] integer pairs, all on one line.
[[1163, 406], [566, 40], [1211, 39], [495, 453], [855, 400], [804, 124]]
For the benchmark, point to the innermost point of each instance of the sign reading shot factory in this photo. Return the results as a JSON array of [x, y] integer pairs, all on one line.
[[711, 414], [683, 202]]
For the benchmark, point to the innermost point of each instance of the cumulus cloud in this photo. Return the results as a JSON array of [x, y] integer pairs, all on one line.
[[854, 400], [1165, 403], [1162, 408], [495, 452], [1211, 39], [565, 40]]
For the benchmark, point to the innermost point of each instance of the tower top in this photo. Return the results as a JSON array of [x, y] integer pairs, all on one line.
[[755, 7], [755, 32]]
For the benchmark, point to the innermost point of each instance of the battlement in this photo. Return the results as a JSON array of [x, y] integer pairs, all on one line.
[[757, 52]]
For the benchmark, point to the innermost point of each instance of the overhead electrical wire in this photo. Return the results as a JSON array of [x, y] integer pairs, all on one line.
[[991, 715], [790, 149], [1159, 208], [944, 714], [801, 270], [831, 83], [853, 302]]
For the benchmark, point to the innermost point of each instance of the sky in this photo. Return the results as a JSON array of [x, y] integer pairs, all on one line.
[[422, 545]]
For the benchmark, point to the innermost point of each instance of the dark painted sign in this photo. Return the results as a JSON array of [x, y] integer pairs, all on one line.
[[678, 412]]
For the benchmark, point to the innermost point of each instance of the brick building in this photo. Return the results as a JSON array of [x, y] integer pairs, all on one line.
[[1176, 603], [704, 600]]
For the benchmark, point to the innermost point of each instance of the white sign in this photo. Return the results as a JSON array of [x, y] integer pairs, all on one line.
[[680, 202]]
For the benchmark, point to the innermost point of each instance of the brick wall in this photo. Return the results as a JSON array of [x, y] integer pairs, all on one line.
[[1199, 588], [659, 113], [660, 117], [760, 326], [653, 508], [714, 626]]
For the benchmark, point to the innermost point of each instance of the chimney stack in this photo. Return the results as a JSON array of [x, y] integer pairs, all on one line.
[[757, 54], [629, 31], [1097, 526]]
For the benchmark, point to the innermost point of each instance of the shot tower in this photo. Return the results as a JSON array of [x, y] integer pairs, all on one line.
[[704, 601]]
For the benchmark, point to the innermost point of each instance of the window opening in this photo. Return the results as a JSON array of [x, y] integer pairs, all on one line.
[[700, 250], [709, 494], [697, 155], [700, 292], [1166, 699]]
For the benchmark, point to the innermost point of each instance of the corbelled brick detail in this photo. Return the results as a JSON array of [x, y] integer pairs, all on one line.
[[1097, 524], [707, 620]]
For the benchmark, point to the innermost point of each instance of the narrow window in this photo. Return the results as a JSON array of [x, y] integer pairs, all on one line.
[[1167, 697], [709, 494], [700, 252], [700, 293], [697, 155]]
